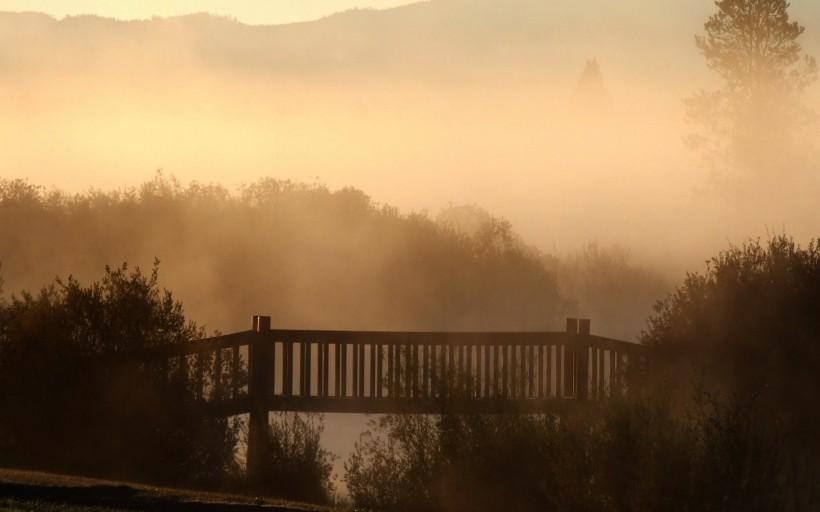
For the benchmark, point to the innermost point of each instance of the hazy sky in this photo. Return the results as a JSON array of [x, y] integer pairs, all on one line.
[[248, 11]]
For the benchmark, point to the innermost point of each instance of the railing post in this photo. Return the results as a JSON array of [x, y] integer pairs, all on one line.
[[582, 359], [259, 370], [570, 349]]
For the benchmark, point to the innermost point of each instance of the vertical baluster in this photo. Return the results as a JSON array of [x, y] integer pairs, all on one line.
[[379, 372], [514, 371], [496, 372], [451, 367], [391, 390], [559, 370], [356, 369], [530, 371], [468, 371], [569, 347], [415, 370], [372, 356], [540, 383], [308, 368], [594, 388], [337, 370], [320, 383], [397, 373], [505, 370], [286, 359], [320, 367], [548, 372], [425, 372], [362, 367], [435, 373], [479, 371], [344, 369], [407, 365], [487, 362], [327, 369]]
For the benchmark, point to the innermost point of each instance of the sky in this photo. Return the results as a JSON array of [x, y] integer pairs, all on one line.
[[253, 12]]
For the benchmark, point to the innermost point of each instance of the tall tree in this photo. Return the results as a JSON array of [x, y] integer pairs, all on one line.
[[755, 120]]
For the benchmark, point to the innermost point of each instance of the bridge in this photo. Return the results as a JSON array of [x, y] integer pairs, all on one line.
[[263, 369]]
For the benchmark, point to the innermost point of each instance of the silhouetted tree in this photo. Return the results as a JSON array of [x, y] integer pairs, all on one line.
[[748, 329], [65, 404], [225, 252], [754, 121], [591, 95]]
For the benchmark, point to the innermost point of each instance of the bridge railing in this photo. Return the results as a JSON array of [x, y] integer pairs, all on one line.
[[371, 371], [254, 372]]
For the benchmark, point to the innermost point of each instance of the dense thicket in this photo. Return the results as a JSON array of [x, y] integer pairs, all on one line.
[[67, 404], [295, 465], [722, 417], [311, 257], [749, 328], [618, 456]]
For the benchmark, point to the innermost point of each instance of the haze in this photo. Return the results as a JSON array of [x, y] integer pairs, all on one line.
[[254, 12], [419, 106]]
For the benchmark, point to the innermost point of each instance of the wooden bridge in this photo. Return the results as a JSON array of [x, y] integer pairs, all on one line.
[[263, 369]]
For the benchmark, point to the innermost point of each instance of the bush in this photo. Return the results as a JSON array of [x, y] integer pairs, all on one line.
[[749, 329], [64, 407], [295, 465], [614, 456]]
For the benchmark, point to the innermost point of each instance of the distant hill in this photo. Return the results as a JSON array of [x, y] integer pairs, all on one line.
[[440, 37]]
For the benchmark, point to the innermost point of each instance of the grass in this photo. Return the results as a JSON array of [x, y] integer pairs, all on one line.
[[24, 491], [14, 505]]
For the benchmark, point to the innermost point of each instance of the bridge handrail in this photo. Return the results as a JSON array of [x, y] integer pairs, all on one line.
[[473, 338]]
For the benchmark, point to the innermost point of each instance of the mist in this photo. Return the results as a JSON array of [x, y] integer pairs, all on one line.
[[418, 106], [446, 165]]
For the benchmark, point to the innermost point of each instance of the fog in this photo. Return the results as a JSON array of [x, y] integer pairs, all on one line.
[[420, 107]]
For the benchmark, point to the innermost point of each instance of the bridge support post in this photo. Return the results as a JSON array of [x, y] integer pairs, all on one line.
[[582, 359], [260, 372], [566, 388]]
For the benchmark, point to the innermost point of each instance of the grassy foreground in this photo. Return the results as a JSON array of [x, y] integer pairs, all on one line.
[[24, 491]]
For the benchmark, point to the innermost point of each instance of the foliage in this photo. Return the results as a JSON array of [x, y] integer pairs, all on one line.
[[609, 287], [64, 407], [749, 328], [615, 456], [755, 121], [722, 419], [296, 251], [295, 465], [395, 465]]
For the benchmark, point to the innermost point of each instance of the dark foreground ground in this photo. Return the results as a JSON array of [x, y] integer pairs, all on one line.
[[32, 490]]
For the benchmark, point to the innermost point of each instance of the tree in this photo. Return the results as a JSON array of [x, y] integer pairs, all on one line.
[[591, 95], [64, 406], [754, 121], [748, 329]]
